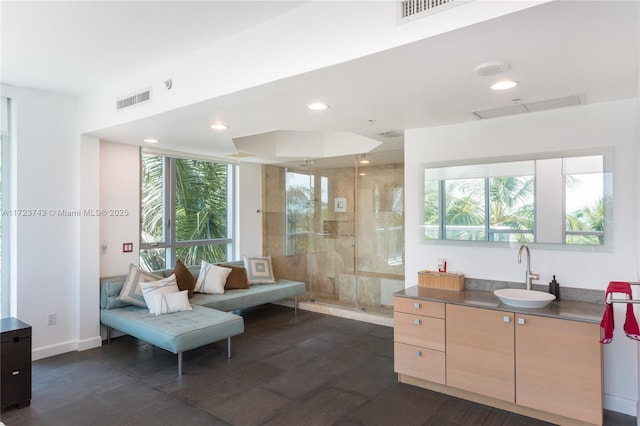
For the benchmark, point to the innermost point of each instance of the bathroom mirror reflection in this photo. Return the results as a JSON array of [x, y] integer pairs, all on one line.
[[563, 200]]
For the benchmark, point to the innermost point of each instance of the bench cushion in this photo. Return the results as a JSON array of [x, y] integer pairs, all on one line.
[[177, 332], [255, 295]]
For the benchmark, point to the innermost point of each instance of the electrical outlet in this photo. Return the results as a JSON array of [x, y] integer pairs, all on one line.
[[51, 319]]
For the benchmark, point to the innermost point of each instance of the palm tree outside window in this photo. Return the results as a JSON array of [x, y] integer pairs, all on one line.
[[186, 211]]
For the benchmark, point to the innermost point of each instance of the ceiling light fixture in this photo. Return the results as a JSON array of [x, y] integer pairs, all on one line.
[[151, 140], [317, 106], [504, 85], [364, 159], [219, 126]]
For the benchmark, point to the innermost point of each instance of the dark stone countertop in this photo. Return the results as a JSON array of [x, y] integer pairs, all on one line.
[[563, 309]]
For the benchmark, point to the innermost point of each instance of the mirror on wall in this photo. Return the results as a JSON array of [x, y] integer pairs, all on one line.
[[562, 200]]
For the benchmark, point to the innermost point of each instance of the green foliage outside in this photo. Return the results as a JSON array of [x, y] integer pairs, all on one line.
[[200, 210], [511, 206]]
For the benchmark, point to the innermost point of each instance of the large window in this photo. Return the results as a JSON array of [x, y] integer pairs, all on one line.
[[5, 134], [186, 211]]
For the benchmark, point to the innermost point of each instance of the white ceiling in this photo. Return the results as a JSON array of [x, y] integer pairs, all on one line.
[[556, 49], [74, 47]]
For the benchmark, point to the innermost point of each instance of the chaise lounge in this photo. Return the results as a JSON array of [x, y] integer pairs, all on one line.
[[208, 321]]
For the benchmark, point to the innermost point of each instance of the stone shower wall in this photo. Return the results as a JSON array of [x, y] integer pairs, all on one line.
[[329, 270]]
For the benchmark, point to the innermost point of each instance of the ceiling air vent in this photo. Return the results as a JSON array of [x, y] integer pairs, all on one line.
[[410, 9], [390, 134], [239, 155], [519, 108], [135, 99]]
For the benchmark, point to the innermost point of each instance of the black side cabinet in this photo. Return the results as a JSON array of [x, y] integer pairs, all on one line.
[[15, 363]]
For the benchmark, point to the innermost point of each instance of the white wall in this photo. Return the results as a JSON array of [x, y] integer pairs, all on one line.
[[609, 125], [88, 318], [47, 265], [249, 210], [119, 190]]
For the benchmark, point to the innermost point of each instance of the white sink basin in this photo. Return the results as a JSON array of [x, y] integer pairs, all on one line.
[[524, 298]]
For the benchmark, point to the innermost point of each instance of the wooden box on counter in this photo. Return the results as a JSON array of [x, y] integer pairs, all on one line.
[[441, 280]]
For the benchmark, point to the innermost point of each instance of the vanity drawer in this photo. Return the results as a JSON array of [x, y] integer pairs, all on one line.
[[419, 330], [419, 362], [419, 307]]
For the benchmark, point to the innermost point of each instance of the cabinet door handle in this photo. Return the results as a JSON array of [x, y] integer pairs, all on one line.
[[417, 353], [521, 321], [416, 321], [15, 373], [506, 318], [416, 305]]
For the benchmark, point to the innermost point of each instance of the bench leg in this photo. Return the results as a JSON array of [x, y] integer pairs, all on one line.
[[108, 334], [295, 303], [229, 347], [179, 363]]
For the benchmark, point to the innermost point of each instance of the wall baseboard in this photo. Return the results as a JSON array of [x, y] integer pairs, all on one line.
[[64, 347], [93, 342], [621, 405]]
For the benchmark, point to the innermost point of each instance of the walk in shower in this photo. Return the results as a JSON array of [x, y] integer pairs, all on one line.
[[338, 225]]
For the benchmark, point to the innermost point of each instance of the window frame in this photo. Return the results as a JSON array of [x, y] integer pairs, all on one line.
[[169, 242], [6, 141]]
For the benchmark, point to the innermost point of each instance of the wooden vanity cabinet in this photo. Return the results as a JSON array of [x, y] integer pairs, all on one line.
[[419, 339], [546, 364], [559, 367], [480, 351]]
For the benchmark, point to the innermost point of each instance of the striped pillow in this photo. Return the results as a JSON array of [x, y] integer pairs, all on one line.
[[131, 292], [150, 289], [211, 278], [169, 303]]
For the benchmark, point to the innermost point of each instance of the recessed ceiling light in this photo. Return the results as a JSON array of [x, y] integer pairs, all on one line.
[[317, 106], [504, 85], [219, 126], [151, 140]]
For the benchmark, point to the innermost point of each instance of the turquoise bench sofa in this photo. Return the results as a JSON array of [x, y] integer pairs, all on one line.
[[208, 322]]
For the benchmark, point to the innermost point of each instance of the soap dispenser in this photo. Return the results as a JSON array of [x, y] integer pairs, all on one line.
[[554, 288]]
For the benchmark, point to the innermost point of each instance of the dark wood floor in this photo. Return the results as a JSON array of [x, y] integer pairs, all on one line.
[[287, 369]]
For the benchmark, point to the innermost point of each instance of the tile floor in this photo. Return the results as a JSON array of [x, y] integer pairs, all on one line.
[[287, 369]]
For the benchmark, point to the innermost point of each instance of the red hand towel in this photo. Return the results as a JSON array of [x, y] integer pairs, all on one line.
[[630, 325]]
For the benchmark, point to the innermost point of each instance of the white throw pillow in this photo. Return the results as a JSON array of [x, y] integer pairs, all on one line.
[[149, 289], [168, 303], [211, 278], [131, 292]]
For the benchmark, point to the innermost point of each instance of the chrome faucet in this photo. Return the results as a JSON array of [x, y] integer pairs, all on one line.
[[530, 276]]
